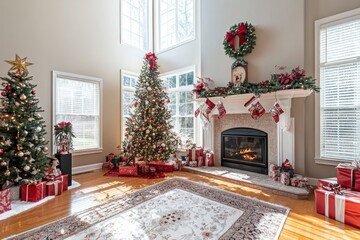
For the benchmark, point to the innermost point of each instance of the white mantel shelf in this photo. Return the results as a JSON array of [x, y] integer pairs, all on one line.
[[234, 104]]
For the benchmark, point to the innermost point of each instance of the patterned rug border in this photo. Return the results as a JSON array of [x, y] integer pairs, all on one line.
[[169, 184]]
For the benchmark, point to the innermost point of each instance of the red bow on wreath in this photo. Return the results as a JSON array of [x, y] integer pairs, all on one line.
[[152, 58], [230, 37]]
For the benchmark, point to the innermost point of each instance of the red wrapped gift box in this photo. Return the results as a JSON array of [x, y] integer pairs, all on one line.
[[194, 153], [162, 167], [65, 179], [326, 182], [5, 203], [33, 192], [343, 208], [128, 171], [209, 159], [54, 188], [348, 176]]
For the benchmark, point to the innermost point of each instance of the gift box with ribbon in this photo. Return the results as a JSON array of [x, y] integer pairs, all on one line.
[[128, 170], [348, 176], [209, 159], [65, 179], [194, 153], [341, 207], [54, 188], [33, 192], [193, 164], [5, 203], [326, 182], [162, 167]]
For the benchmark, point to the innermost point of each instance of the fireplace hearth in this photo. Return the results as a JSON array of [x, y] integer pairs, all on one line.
[[245, 149]]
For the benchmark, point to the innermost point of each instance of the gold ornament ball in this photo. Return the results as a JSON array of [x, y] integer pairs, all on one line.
[[42, 139], [30, 119], [26, 168], [17, 104], [7, 173], [46, 149], [22, 97], [149, 138], [3, 164], [20, 154]]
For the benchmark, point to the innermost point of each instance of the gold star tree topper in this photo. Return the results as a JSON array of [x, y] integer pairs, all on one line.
[[20, 64]]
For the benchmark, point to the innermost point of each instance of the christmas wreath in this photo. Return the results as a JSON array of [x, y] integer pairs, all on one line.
[[247, 37]]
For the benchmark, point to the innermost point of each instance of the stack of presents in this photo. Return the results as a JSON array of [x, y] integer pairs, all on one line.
[[53, 184], [198, 157], [339, 198], [127, 167], [286, 175]]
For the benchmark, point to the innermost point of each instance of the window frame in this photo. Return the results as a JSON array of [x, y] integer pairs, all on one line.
[[150, 28], [157, 28], [178, 89], [122, 90], [77, 77], [332, 20]]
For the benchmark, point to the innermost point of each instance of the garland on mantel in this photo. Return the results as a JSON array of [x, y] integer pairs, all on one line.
[[294, 80]]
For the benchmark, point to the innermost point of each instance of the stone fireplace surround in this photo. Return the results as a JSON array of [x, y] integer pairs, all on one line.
[[281, 136]]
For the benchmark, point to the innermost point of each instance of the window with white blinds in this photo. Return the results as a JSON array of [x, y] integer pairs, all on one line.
[[339, 75], [77, 99]]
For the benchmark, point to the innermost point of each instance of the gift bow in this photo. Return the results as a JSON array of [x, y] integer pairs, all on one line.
[[336, 188], [356, 164], [230, 37]]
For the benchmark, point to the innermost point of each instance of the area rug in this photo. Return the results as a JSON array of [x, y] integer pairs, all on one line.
[[115, 173], [172, 209]]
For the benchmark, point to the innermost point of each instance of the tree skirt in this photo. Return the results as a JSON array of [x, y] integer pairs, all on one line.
[[157, 174], [173, 209]]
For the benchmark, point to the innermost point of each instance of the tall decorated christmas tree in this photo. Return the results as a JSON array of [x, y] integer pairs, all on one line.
[[22, 143], [148, 133]]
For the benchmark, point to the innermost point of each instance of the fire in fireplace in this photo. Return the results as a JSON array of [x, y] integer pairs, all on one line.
[[244, 148]]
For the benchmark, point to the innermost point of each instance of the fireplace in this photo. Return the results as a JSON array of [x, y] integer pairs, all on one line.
[[245, 148]]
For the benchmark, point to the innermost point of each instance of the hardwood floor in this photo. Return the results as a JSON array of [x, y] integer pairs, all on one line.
[[302, 223]]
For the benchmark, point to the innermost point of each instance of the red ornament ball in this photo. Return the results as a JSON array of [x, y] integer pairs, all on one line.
[[8, 88], [33, 92], [3, 94]]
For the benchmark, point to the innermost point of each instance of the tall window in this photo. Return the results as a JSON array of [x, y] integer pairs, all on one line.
[[135, 23], [175, 21], [77, 99], [338, 66], [179, 86], [128, 84]]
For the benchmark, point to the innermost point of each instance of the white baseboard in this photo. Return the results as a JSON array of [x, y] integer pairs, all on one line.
[[86, 168], [312, 181]]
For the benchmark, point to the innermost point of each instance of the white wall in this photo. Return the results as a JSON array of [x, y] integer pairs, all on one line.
[[279, 28]]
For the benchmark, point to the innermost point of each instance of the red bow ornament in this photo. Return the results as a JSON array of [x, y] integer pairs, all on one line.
[[241, 31], [151, 56]]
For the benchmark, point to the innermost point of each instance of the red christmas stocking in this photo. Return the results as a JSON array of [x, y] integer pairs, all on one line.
[[276, 111], [198, 110], [221, 109], [207, 108], [254, 107]]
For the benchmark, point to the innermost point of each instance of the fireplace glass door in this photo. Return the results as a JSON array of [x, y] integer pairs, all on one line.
[[245, 148]]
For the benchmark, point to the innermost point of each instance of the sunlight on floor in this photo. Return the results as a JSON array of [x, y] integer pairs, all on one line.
[[101, 186]]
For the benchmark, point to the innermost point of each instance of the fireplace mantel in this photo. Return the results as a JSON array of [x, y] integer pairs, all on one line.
[[234, 104]]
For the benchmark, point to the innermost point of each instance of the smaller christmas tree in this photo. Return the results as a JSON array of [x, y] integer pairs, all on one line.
[[22, 142], [148, 133]]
